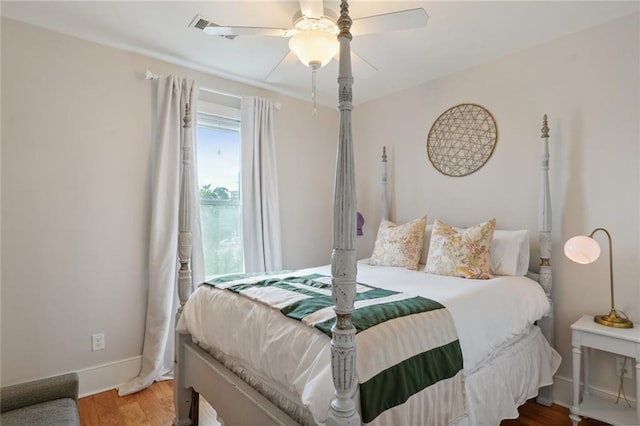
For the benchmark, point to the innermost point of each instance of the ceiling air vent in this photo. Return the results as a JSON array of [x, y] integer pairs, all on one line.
[[201, 23]]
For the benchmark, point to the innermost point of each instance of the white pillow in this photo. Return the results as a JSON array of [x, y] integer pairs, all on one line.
[[509, 252], [425, 244]]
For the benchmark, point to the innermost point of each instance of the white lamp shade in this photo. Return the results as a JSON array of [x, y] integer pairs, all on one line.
[[314, 46], [582, 249]]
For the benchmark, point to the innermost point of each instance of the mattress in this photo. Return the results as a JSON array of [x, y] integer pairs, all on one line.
[[490, 315]]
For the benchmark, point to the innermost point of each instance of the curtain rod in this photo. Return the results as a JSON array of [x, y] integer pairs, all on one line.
[[148, 75]]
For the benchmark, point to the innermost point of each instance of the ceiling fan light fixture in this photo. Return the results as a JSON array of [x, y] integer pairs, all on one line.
[[314, 46]]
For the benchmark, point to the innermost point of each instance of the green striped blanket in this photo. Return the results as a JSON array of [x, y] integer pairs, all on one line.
[[411, 362]]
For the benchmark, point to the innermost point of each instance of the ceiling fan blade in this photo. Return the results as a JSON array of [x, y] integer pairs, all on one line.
[[393, 21], [361, 67], [312, 8], [213, 29], [284, 67]]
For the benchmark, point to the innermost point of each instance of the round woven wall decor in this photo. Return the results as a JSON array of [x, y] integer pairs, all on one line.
[[462, 139]]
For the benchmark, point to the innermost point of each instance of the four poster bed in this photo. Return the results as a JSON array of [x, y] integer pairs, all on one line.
[[257, 363]]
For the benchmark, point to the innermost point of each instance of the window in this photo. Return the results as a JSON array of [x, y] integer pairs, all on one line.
[[218, 152]]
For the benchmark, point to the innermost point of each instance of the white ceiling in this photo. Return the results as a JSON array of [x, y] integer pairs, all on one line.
[[458, 35]]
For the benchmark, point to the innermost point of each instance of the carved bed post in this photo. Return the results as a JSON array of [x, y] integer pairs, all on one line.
[[185, 400], [343, 260], [547, 323], [184, 226], [385, 186]]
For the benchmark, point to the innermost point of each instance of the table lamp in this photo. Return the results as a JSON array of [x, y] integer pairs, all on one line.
[[584, 249]]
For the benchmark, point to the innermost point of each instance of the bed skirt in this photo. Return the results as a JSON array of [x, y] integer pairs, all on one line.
[[511, 377]]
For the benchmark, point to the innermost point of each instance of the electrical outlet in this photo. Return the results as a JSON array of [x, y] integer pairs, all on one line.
[[97, 342], [620, 362]]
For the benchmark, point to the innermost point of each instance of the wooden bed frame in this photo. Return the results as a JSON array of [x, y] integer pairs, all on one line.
[[198, 373]]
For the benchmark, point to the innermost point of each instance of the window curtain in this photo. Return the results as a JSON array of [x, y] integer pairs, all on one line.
[[260, 201], [172, 134]]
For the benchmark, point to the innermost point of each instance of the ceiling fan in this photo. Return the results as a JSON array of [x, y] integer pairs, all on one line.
[[312, 38]]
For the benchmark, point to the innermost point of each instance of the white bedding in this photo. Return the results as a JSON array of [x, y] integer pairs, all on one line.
[[489, 315]]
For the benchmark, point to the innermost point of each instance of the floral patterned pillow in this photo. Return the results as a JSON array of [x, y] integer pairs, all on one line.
[[460, 253], [399, 245]]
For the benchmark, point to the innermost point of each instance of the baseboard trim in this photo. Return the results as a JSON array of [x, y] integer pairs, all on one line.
[[563, 392], [101, 378]]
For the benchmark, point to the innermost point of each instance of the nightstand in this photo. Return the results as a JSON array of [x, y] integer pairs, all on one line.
[[585, 333]]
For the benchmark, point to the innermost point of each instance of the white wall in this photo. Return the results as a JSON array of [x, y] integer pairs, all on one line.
[[76, 147], [588, 85]]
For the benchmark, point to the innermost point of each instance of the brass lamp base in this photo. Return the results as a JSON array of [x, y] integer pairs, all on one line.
[[613, 320]]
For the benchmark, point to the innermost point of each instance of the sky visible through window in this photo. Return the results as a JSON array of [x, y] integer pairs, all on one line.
[[218, 158], [218, 153]]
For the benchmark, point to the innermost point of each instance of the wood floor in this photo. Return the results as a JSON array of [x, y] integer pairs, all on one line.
[[154, 407], [150, 407]]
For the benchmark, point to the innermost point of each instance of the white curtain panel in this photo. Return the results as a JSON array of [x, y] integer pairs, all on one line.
[[173, 93], [260, 202]]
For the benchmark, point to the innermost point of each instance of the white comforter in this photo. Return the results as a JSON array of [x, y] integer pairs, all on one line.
[[488, 314]]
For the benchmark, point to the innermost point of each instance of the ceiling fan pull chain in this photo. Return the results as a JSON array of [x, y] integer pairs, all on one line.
[[313, 87]]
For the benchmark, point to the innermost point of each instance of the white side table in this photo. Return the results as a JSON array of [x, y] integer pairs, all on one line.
[[585, 333]]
